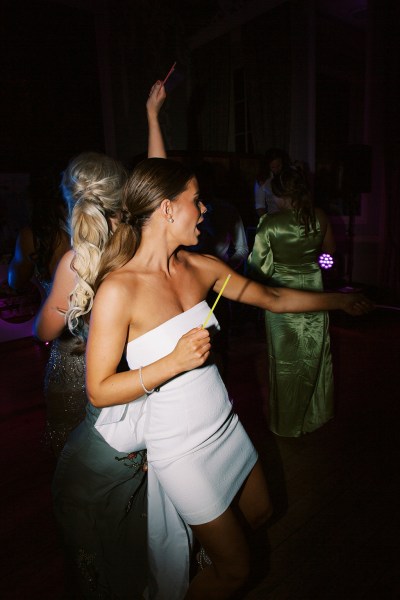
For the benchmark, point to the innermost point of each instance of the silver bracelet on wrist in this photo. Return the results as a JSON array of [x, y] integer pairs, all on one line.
[[148, 392]]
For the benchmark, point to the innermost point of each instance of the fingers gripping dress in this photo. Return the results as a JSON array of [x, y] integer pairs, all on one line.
[[197, 450]]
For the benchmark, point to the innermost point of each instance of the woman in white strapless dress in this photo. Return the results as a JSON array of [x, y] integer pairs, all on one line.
[[150, 300]]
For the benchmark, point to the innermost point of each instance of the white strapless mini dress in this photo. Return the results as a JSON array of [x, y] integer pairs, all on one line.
[[196, 446]]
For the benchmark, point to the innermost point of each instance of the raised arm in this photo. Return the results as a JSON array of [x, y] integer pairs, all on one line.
[[156, 148], [106, 342], [50, 322]]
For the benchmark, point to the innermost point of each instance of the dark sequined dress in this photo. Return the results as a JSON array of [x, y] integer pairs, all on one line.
[[64, 387], [64, 390]]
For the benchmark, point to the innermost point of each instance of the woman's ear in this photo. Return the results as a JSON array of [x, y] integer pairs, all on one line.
[[166, 209]]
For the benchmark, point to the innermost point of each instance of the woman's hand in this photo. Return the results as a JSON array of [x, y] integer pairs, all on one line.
[[155, 100], [192, 350], [356, 304]]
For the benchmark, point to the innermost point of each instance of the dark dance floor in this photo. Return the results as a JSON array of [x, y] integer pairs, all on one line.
[[335, 533]]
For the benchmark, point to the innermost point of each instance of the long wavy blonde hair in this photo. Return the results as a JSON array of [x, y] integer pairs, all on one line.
[[92, 186]]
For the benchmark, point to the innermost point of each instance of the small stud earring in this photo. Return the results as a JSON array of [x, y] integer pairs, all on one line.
[[170, 220]]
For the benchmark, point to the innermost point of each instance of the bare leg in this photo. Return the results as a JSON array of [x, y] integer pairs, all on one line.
[[227, 548], [225, 542], [253, 499]]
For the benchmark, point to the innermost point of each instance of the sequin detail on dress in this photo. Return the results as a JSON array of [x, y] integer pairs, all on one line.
[[64, 390]]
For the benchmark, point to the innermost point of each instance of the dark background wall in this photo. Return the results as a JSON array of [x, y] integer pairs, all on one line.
[[75, 75], [50, 98]]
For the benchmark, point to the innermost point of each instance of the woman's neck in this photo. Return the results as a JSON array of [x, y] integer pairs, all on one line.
[[155, 254]]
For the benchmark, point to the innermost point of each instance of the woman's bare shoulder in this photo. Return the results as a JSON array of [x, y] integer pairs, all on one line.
[[121, 278], [205, 268], [196, 259], [118, 286]]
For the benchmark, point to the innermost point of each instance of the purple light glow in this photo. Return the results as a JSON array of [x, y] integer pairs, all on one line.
[[325, 261]]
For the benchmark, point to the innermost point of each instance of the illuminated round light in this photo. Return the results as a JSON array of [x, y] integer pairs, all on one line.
[[325, 261]]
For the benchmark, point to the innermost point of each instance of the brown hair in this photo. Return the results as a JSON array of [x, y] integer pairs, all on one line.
[[152, 180], [291, 183]]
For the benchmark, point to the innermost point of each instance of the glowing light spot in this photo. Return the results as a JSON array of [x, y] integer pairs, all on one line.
[[325, 261]]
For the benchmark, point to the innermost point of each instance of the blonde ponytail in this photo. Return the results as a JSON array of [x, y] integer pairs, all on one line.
[[92, 187]]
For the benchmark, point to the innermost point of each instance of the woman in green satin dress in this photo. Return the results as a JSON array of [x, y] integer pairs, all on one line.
[[285, 254]]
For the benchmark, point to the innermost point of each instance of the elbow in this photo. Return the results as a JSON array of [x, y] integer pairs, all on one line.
[[40, 332], [94, 402], [94, 396]]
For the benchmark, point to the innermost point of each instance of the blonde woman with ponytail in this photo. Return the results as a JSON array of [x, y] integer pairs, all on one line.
[[100, 495]]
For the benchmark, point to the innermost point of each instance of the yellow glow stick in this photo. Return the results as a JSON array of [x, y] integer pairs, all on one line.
[[215, 303]]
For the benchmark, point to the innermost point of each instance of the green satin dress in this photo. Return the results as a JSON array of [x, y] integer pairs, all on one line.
[[300, 363], [100, 504]]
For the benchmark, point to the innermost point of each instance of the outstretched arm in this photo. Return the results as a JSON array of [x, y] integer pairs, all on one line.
[[287, 300], [156, 148], [275, 299], [50, 321]]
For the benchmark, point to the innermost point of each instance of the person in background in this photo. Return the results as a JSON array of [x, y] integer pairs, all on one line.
[[99, 494], [285, 254], [42, 243], [39, 248], [275, 160], [222, 235], [150, 303]]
